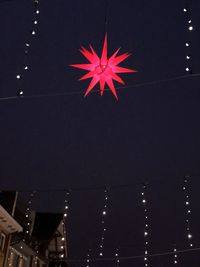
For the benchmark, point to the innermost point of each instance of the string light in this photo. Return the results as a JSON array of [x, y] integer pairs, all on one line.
[[103, 219], [117, 258], [63, 247], [175, 256], [25, 67], [28, 215], [187, 201], [88, 258], [190, 28], [146, 225]]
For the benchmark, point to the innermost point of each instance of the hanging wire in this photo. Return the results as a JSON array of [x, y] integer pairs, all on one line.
[[150, 83], [113, 259]]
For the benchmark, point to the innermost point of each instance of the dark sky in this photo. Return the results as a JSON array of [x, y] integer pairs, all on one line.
[[55, 142]]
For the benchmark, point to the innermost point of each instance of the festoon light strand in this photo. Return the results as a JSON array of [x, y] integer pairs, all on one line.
[[88, 263], [146, 224], [63, 247], [104, 213], [28, 216], [28, 43], [189, 28], [175, 256], [187, 200], [117, 264]]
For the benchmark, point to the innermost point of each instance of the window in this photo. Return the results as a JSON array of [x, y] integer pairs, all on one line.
[[2, 241]]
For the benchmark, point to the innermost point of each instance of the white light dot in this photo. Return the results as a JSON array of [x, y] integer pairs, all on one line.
[[35, 22], [33, 32], [186, 44], [189, 236], [185, 10], [18, 76], [104, 212], [187, 69], [145, 233], [100, 254], [37, 11], [190, 28], [187, 57]]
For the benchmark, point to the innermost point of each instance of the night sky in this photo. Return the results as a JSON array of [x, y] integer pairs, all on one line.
[[63, 140]]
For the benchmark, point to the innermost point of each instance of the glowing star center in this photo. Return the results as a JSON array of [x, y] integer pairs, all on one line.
[[103, 69]]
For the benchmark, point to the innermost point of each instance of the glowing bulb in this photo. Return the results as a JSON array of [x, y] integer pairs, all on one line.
[[185, 10], [33, 32], [37, 11], [187, 44], [190, 28], [189, 236], [35, 22], [104, 212], [100, 254]]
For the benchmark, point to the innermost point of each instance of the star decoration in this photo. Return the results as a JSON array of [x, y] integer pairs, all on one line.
[[103, 70]]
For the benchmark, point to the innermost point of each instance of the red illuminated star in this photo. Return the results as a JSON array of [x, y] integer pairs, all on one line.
[[103, 70]]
